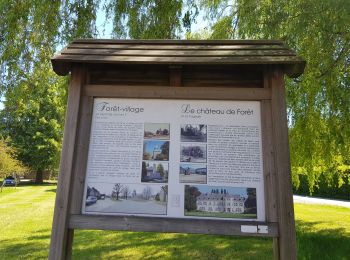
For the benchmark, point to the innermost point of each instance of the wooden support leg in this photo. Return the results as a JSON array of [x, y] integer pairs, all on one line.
[[69, 246]]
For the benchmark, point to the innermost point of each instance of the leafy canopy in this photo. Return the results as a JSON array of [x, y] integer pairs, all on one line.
[[318, 101]]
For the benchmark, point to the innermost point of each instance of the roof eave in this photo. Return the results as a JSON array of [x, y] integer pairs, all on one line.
[[63, 67]]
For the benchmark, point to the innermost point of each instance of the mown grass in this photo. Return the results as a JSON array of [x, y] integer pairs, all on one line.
[[323, 232]]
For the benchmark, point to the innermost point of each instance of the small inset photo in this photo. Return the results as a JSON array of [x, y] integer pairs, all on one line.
[[193, 173], [154, 172], [157, 131], [193, 133], [194, 153], [220, 202], [155, 150], [126, 198]]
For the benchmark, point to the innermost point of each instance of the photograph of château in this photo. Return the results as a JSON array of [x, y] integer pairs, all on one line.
[[155, 150], [155, 172], [194, 153], [220, 202], [157, 131], [126, 198], [193, 173], [193, 133]]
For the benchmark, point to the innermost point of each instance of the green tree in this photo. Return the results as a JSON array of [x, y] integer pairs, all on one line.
[[8, 163], [117, 190], [33, 118], [318, 101], [250, 203], [147, 19], [30, 33], [144, 171], [165, 149], [191, 194], [160, 169]]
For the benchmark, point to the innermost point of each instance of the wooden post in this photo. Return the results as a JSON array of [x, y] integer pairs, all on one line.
[[175, 76], [61, 236], [285, 211]]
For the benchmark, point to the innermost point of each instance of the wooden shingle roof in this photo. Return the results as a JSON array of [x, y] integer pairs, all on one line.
[[179, 52]]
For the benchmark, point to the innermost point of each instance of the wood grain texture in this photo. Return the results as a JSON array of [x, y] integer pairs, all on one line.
[[59, 234], [206, 93], [178, 53], [266, 59], [222, 76], [268, 161], [287, 238], [191, 75], [268, 154], [81, 155], [180, 42], [165, 224], [175, 76], [121, 74], [149, 46]]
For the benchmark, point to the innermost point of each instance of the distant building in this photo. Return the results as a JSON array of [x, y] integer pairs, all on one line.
[[214, 202], [156, 152], [188, 171], [93, 192], [202, 171], [194, 151], [152, 172]]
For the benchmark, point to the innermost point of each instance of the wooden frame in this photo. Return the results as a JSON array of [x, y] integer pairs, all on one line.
[[275, 150]]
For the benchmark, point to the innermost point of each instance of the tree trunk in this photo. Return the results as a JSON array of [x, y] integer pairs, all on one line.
[[39, 177]]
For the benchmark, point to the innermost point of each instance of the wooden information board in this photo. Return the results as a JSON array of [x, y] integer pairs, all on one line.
[[176, 139]]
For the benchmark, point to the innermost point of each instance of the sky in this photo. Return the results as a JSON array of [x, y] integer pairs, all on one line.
[[150, 145], [107, 188], [153, 127], [193, 165]]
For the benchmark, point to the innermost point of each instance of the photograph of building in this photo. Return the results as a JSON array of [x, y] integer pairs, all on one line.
[[155, 150], [193, 173], [222, 202], [195, 153], [193, 133], [157, 131], [154, 172]]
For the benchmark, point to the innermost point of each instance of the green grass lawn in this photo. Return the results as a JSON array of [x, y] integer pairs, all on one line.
[[323, 232]]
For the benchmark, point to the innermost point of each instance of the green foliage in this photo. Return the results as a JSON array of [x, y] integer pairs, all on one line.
[[147, 19], [160, 169], [319, 100], [33, 118], [8, 163], [30, 33], [191, 194]]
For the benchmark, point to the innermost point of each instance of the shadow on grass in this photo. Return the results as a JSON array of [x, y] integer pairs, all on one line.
[[32, 183], [323, 244], [33, 247], [51, 190], [141, 245]]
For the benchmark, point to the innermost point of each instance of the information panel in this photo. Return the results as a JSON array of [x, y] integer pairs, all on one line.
[[175, 158]]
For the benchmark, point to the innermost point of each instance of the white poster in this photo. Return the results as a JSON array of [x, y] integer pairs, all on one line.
[[175, 158]]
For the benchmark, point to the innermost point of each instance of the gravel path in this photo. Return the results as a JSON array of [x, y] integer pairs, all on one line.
[[310, 200]]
